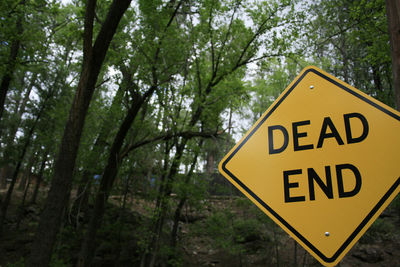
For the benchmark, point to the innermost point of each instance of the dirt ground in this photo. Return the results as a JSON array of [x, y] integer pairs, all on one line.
[[202, 244]]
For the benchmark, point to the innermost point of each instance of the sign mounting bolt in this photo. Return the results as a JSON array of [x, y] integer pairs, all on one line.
[[327, 234], [311, 86]]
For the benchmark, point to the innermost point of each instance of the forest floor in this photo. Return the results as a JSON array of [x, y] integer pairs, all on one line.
[[222, 231], [380, 245]]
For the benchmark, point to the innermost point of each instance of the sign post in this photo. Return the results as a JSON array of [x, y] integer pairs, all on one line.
[[322, 162]]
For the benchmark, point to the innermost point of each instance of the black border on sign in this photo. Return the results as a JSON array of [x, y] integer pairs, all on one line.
[[273, 212]]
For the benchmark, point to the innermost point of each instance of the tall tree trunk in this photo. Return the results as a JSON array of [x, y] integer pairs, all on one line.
[[146, 257], [5, 172], [210, 162], [27, 173], [21, 110], [162, 208], [39, 177], [21, 207], [182, 201], [393, 15], [9, 140], [11, 64], [121, 219], [6, 202], [107, 180], [7, 199], [50, 220], [81, 202]]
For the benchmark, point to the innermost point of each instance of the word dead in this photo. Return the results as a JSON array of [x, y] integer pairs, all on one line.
[[328, 130]]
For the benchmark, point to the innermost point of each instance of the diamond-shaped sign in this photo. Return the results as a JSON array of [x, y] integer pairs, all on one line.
[[322, 162]]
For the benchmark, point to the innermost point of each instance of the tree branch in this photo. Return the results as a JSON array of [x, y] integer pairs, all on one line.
[[168, 136]]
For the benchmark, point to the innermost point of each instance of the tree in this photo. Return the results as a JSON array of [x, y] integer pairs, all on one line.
[[393, 17], [222, 47], [29, 113], [61, 183], [27, 140], [270, 80], [15, 45], [139, 98], [21, 58], [350, 40]]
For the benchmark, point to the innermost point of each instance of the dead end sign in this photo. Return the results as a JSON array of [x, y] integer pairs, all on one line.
[[322, 162]]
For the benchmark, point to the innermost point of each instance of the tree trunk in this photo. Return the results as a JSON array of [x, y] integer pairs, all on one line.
[[393, 15], [7, 199], [162, 208], [210, 162], [107, 180], [5, 173], [8, 157], [39, 177], [377, 79], [121, 219], [27, 173], [177, 216], [20, 111], [12, 62], [21, 207], [81, 202], [182, 201], [6, 202], [50, 220]]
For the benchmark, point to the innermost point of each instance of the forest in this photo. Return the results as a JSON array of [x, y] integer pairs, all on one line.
[[114, 115]]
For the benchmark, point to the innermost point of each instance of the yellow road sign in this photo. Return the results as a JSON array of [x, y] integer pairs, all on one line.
[[322, 162]]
